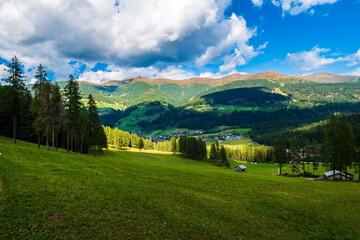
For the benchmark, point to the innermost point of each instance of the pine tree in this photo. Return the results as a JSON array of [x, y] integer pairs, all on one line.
[[357, 151], [223, 158], [73, 111], [280, 154], [213, 153], [347, 144], [16, 91], [55, 112], [338, 146], [294, 151], [38, 104], [97, 136], [173, 144]]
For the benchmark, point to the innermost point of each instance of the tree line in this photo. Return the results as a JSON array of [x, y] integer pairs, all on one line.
[[46, 115], [118, 139], [340, 149]]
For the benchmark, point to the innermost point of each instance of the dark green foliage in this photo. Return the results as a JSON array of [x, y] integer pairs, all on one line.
[[192, 148], [338, 146], [223, 158], [41, 101], [213, 153], [294, 154], [140, 144], [97, 137], [280, 155], [173, 144], [14, 92], [254, 97]]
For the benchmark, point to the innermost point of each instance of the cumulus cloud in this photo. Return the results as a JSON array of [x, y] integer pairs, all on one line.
[[353, 59], [119, 73], [309, 60], [355, 72], [236, 38], [132, 34], [314, 59], [294, 7], [257, 3]]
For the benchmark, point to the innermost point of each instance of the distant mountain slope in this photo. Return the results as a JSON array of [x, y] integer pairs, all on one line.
[[121, 94], [329, 78], [202, 80]]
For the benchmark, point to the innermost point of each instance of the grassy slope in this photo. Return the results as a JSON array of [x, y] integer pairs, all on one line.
[[123, 194]]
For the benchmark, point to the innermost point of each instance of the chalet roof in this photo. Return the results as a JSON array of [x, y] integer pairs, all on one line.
[[241, 167], [330, 173]]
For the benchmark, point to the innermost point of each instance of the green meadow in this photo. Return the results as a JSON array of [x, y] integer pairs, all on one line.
[[123, 194]]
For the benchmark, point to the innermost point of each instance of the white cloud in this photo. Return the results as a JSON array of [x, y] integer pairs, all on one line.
[[314, 59], [355, 72], [235, 39], [310, 60], [294, 7], [258, 3], [119, 73], [354, 59], [132, 33]]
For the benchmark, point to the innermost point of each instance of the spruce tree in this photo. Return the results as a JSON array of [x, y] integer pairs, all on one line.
[[347, 144], [38, 104], [357, 151], [280, 154], [73, 110], [173, 144], [97, 136], [294, 151], [213, 153], [55, 112], [223, 158], [16, 91]]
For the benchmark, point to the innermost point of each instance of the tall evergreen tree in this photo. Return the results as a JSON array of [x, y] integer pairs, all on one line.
[[223, 157], [16, 91], [294, 151], [357, 151], [96, 135], [173, 144], [280, 154], [73, 111], [213, 153], [55, 112], [38, 103], [346, 136], [338, 146]]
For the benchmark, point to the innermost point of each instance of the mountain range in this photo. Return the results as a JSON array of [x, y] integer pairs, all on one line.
[[121, 94]]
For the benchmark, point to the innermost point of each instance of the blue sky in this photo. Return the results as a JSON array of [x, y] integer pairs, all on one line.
[[99, 41]]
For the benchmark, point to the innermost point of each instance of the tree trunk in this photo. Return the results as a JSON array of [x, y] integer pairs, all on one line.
[[67, 140], [333, 172], [280, 168], [95, 150], [14, 126], [88, 150], [56, 137], [47, 141], [346, 174], [53, 139], [82, 140], [71, 143], [39, 139]]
